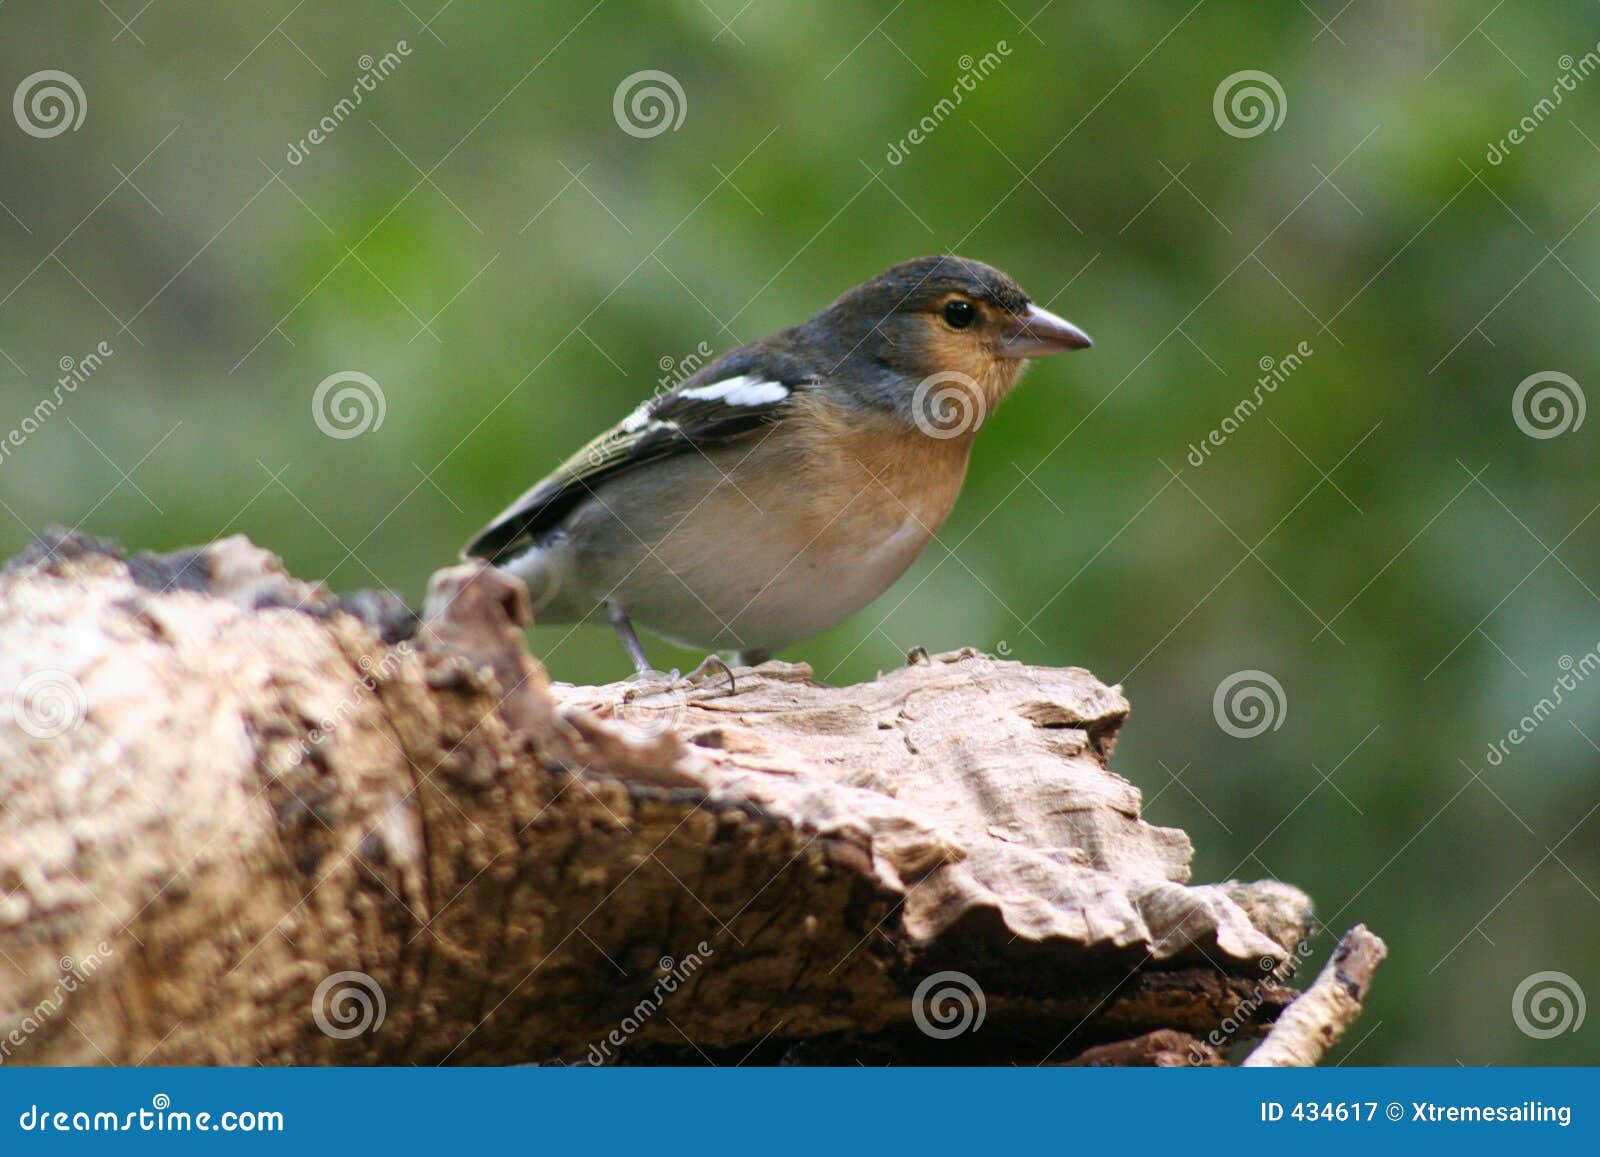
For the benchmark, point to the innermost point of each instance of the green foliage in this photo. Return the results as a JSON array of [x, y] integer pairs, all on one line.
[[1376, 535]]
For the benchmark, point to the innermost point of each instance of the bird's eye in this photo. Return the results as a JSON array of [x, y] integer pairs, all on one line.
[[959, 314]]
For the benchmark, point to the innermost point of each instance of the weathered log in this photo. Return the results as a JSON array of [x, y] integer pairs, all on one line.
[[244, 821]]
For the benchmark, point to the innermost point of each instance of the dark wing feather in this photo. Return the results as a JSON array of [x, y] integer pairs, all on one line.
[[670, 424]]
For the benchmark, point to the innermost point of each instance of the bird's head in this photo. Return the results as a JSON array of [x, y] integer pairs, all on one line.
[[938, 325]]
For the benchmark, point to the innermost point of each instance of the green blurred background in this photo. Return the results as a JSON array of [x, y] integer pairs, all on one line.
[[514, 270]]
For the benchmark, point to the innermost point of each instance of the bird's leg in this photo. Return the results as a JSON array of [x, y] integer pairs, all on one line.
[[752, 658], [630, 641]]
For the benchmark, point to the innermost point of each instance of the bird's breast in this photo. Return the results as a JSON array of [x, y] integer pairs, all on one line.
[[875, 484]]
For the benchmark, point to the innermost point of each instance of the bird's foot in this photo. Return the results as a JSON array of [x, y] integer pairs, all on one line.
[[713, 664], [647, 681]]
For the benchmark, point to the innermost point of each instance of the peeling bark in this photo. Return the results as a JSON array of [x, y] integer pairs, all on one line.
[[285, 827]]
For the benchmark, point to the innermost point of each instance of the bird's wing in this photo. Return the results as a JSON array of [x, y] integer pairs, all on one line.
[[689, 418]]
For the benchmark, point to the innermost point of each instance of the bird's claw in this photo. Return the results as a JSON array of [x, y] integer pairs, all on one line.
[[713, 663], [647, 682]]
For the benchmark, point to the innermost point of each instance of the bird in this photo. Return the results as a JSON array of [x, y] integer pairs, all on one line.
[[788, 483]]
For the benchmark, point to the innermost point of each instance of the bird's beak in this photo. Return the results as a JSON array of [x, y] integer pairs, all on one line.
[[1038, 332]]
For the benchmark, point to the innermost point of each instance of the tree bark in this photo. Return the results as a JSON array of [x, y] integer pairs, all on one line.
[[245, 821]]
